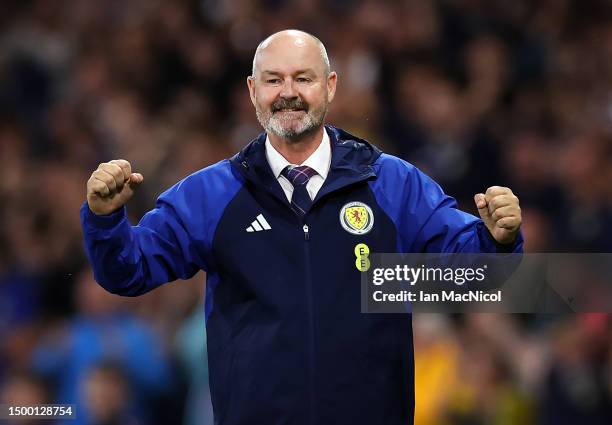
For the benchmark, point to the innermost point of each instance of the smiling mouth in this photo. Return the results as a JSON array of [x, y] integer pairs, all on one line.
[[288, 110]]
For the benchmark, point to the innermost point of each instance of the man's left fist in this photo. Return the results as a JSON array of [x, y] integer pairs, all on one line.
[[499, 209]]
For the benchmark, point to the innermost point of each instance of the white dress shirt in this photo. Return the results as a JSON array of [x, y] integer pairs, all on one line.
[[319, 160]]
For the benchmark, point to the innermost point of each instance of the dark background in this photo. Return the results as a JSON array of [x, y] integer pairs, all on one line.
[[474, 92]]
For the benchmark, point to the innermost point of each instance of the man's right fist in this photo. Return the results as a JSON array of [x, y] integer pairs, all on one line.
[[111, 186]]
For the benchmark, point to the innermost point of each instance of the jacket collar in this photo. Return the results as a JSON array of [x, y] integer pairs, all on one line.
[[319, 160], [352, 160]]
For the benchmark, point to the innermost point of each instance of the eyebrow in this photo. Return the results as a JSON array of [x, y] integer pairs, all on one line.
[[300, 71]]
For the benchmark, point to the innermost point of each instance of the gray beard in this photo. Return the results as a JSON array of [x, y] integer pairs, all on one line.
[[273, 124]]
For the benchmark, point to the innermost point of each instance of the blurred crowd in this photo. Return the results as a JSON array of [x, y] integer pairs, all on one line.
[[474, 92]]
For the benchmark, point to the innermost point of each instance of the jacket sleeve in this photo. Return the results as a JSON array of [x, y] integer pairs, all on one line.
[[131, 260], [427, 220], [172, 241], [442, 227]]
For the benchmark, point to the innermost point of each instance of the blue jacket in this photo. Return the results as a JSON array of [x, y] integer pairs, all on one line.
[[287, 343]]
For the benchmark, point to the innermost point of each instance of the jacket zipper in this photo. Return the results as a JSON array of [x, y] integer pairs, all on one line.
[[311, 332]]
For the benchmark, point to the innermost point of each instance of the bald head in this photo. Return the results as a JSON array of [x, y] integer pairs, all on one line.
[[291, 41], [291, 86]]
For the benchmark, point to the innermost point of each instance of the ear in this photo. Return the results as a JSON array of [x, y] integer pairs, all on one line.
[[251, 86], [332, 80]]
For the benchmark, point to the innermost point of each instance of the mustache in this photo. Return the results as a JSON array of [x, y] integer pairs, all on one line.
[[295, 103]]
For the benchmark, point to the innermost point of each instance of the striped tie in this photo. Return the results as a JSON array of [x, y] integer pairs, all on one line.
[[299, 176]]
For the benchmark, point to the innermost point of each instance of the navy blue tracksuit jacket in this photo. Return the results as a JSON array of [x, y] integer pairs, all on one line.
[[287, 343]]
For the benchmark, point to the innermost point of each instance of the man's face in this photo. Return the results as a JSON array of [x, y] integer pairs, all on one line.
[[290, 89]]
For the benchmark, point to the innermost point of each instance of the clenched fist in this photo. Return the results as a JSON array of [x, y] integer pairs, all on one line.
[[111, 186], [499, 209]]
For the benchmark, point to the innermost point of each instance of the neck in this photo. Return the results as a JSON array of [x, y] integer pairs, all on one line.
[[297, 151]]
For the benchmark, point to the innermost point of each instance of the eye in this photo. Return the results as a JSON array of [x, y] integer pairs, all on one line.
[[303, 80], [272, 80]]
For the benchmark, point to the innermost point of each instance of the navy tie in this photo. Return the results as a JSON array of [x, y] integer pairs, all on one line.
[[299, 176]]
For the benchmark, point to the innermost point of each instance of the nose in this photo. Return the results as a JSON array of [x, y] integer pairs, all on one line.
[[288, 89]]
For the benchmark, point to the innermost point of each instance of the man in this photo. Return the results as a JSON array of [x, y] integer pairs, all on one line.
[[275, 227]]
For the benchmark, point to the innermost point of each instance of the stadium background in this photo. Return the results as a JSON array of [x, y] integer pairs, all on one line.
[[475, 92]]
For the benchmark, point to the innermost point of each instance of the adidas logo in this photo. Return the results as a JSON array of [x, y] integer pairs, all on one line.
[[259, 224]]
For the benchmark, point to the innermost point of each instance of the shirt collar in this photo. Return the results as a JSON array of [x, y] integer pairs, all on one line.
[[319, 160]]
